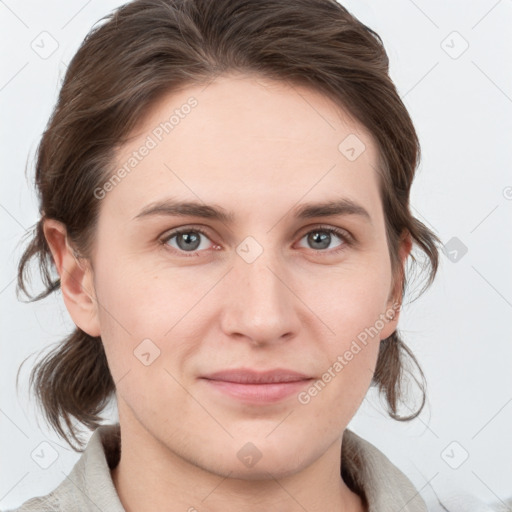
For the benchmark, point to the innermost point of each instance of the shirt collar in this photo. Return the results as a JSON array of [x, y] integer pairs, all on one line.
[[372, 475]]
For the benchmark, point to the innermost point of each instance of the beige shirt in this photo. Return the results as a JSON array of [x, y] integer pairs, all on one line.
[[89, 486]]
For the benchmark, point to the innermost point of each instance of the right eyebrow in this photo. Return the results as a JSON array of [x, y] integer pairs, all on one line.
[[171, 207]]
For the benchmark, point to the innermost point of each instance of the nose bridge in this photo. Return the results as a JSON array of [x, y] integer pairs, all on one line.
[[261, 305], [260, 279]]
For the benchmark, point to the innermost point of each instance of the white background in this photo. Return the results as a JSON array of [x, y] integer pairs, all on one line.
[[460, 330]]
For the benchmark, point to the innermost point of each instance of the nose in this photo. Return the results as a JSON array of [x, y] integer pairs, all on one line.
[[261, 306]]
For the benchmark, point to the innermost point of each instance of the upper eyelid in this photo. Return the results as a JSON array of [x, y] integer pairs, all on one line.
[[337, 230]]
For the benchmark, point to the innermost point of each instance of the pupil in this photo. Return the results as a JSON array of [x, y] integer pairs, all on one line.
[[189, 241], [322, 237]]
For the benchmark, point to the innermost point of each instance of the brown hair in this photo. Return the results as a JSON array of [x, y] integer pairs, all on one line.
[[148, 48]]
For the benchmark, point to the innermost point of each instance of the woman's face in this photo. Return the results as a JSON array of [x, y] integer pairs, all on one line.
[[259, 288]]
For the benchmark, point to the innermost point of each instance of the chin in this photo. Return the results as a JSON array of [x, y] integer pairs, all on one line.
[[269, 469], [264, 460]]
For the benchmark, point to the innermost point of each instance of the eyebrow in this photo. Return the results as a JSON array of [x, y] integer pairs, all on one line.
[[172, 207]]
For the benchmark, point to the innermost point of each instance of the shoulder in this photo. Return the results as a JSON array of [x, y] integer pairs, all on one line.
[[48, 503], [463, 501], [387, 488], [371, 473], [89, 486]]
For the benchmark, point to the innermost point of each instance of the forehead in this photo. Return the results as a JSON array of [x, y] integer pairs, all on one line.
[[247, 140]]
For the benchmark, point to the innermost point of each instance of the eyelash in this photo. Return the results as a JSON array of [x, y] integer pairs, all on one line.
[[346, 237]]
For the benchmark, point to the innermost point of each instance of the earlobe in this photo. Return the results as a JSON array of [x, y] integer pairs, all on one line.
[[76, 279]]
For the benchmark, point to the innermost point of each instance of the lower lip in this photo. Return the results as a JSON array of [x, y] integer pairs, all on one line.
[[258, 393]]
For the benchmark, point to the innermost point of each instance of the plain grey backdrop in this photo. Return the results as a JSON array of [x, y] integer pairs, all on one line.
[[451, 64]]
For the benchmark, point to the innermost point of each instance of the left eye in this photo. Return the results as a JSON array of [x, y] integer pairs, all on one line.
[[322, 237]]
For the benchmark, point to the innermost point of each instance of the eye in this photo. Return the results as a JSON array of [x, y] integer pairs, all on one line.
[[320, 238], [187, 240]]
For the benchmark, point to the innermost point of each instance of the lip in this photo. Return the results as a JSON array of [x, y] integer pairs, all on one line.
[[255, 386], [249, 376]]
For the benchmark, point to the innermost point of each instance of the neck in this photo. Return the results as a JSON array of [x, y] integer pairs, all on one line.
[[151, 477]]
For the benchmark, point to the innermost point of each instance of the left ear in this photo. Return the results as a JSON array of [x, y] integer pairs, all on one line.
[[394, 304]]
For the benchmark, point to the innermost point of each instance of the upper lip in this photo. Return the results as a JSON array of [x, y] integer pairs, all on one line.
[[249, 376]]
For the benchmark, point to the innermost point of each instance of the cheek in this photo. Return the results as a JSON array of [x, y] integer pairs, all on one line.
[[351, 300], [140, 311], [135, 303], [352, 309], [125, 315], [345, 375]]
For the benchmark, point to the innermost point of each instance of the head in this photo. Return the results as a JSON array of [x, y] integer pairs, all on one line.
[[281, 106]]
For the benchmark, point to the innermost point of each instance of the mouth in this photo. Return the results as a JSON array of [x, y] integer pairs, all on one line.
[[252, 386]]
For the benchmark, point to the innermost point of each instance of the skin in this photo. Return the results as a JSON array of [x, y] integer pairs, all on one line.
[[297, 306]]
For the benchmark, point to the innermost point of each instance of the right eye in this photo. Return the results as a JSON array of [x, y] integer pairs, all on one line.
[[187, 240]]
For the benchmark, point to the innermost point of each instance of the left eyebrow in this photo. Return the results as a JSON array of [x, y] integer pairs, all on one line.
[[343, 206], [171, 207]]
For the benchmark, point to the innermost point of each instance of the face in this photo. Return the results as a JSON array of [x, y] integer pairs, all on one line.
[[254, 287]]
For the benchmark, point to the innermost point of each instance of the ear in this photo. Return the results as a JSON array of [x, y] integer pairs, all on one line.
[[394, 304], [76, 278]]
